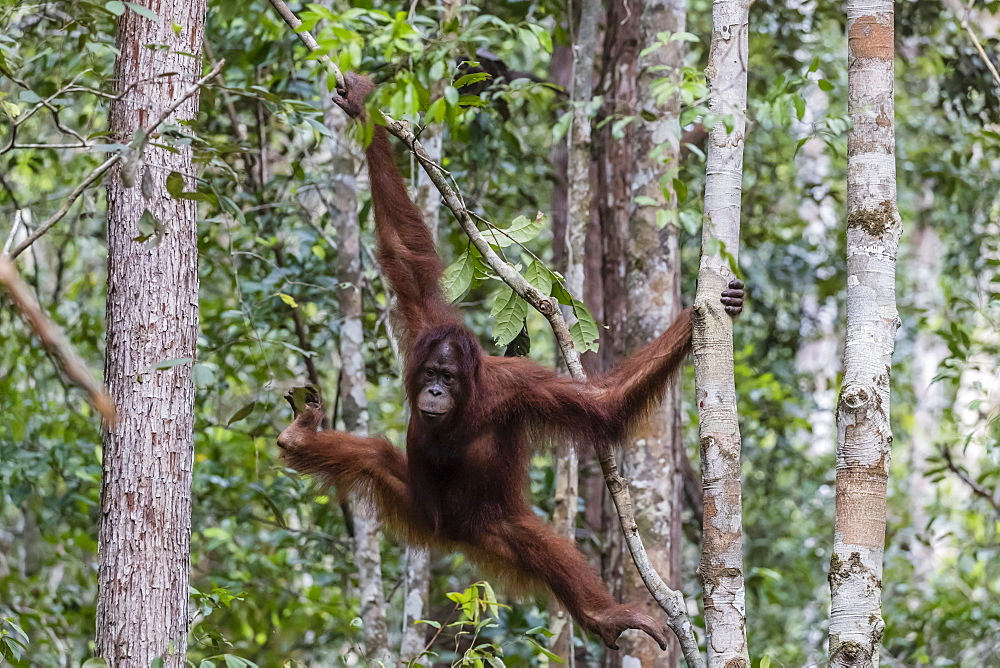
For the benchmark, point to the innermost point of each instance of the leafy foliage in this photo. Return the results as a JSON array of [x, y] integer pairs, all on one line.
[[273, 576]]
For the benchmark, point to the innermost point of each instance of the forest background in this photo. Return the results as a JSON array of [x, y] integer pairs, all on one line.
[[273, 560]]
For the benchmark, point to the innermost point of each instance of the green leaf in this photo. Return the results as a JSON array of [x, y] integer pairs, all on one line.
[[584, 331], [319, 127], [435, 113], [457, 278], [146, 184], [149, 227], [523, 229], [508, 313], [800, 107], [115, 7], [472, 101], [825, 85], [175, 185], [172, 362], [288, 299], [544, 652], [202, 375], [242, 413], [680, 189], [141, 11], [539, 275], [95, 662], [468, 79]]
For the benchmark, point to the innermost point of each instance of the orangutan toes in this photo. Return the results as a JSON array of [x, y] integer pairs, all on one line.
[[304, 425], [311, 417], [612, 623]]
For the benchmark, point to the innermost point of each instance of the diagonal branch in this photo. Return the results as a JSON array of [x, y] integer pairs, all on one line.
[[975, 42], [671, 601], [964, 476], [96, 175], [53, 338]]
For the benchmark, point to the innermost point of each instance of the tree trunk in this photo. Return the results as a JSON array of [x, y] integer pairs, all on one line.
[[721, 566], [817, 358], [614, 183], [416, 580], [353, 382], [152, 321], [864, 436], [652, 461], [577, 222]]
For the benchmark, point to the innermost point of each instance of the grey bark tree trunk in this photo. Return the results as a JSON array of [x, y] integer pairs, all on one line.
[[614, 183], [353, 383], [577, 222], [864, 436], [652, 461], [152, 317], [721, 566]]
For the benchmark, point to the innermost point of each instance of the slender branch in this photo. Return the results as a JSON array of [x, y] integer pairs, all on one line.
[[53, 338], [18, 215], [975, 42], [295, 24], [963, 475], [114, 160], [670, 600]]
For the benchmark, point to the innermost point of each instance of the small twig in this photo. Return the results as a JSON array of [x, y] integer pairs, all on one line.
[[52, 146], [18, 215], [293, 21], [53, 338], [975, 42], [975, 487], [112, 161]]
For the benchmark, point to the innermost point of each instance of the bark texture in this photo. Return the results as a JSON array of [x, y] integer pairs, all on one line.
[[652, 461], [417, 578], [614, 150], [721, 566], [577, 223], [353, 383], [152, 317], [864, 436]]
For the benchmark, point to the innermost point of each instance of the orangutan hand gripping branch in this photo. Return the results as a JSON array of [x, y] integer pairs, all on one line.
[[462, 482]]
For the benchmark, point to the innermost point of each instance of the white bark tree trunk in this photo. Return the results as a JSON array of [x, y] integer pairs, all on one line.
[[721, 566], [864, 437], [353, 383], [652, 460], [152, 318], [818, 356], [929, 400], [417, 579]]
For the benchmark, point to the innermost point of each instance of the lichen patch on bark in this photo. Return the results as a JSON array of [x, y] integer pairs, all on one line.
[[874, 221]]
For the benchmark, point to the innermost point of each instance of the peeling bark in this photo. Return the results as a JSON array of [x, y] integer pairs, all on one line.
[[721, 566], [864, 437], [152, 317]]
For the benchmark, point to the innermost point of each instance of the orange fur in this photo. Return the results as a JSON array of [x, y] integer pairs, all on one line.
[[463, 485]]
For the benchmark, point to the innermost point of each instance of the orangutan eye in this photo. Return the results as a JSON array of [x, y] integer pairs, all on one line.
[[429, 372]]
